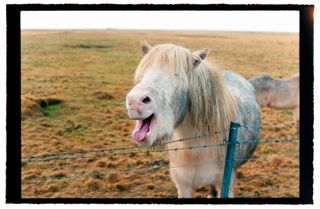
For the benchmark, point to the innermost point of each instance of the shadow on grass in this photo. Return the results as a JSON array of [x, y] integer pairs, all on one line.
[[88, 46]]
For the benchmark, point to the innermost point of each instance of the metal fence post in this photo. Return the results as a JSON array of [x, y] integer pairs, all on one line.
[[228, 167]]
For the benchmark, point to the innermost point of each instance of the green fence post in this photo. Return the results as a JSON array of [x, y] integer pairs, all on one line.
[[228, 166]]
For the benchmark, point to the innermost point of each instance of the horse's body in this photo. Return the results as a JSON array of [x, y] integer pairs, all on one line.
[[178, 95], [205, 172], [278, 93]]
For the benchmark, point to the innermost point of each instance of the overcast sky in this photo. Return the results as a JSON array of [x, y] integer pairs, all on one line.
[[269, 21]]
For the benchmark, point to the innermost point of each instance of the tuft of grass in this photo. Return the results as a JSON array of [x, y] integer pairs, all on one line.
[[92, 184], [52, 111], [113, 177]]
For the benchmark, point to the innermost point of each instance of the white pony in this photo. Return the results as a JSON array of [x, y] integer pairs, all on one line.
[[278, 93], [179, 95]]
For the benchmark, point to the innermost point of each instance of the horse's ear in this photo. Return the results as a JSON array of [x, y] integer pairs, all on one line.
[[199, 56], [145, 46]]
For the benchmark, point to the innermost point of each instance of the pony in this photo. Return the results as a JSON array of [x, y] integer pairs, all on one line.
[[178, 95], [278, 93]]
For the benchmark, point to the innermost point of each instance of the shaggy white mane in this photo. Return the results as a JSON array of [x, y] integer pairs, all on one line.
[[210, 103]]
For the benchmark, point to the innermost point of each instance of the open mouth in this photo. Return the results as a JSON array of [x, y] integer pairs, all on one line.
[[143, 128]]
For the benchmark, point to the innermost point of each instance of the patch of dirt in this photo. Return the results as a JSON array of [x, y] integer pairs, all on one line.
[[30, 107], [33, 106], [88, 46], [102, 95]]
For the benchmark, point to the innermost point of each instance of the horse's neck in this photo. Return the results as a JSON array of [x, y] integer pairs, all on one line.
[[185, 144], [186, 130], [192, 136]]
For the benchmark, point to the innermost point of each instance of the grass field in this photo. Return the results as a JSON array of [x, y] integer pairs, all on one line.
[[74, 85]]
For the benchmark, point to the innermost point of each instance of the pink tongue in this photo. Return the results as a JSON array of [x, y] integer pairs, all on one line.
[[140, 134]]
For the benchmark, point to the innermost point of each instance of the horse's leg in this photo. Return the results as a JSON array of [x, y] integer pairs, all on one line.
[[183, 180], [184, 191], [214, 191], [297, 119]]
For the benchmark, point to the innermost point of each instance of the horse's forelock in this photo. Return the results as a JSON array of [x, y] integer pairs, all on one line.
[[175, 59]]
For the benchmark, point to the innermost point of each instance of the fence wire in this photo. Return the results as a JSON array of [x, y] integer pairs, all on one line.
[[52, 157], [121, 151]]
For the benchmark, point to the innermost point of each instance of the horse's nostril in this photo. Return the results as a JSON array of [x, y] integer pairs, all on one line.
[[146, 100]]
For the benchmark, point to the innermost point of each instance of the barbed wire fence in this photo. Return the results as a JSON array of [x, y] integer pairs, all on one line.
[[263, 181]]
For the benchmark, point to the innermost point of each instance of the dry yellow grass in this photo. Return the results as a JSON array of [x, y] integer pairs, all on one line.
[[92, 71]]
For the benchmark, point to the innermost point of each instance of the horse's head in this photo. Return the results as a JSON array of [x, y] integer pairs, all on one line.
[[159, 100]]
